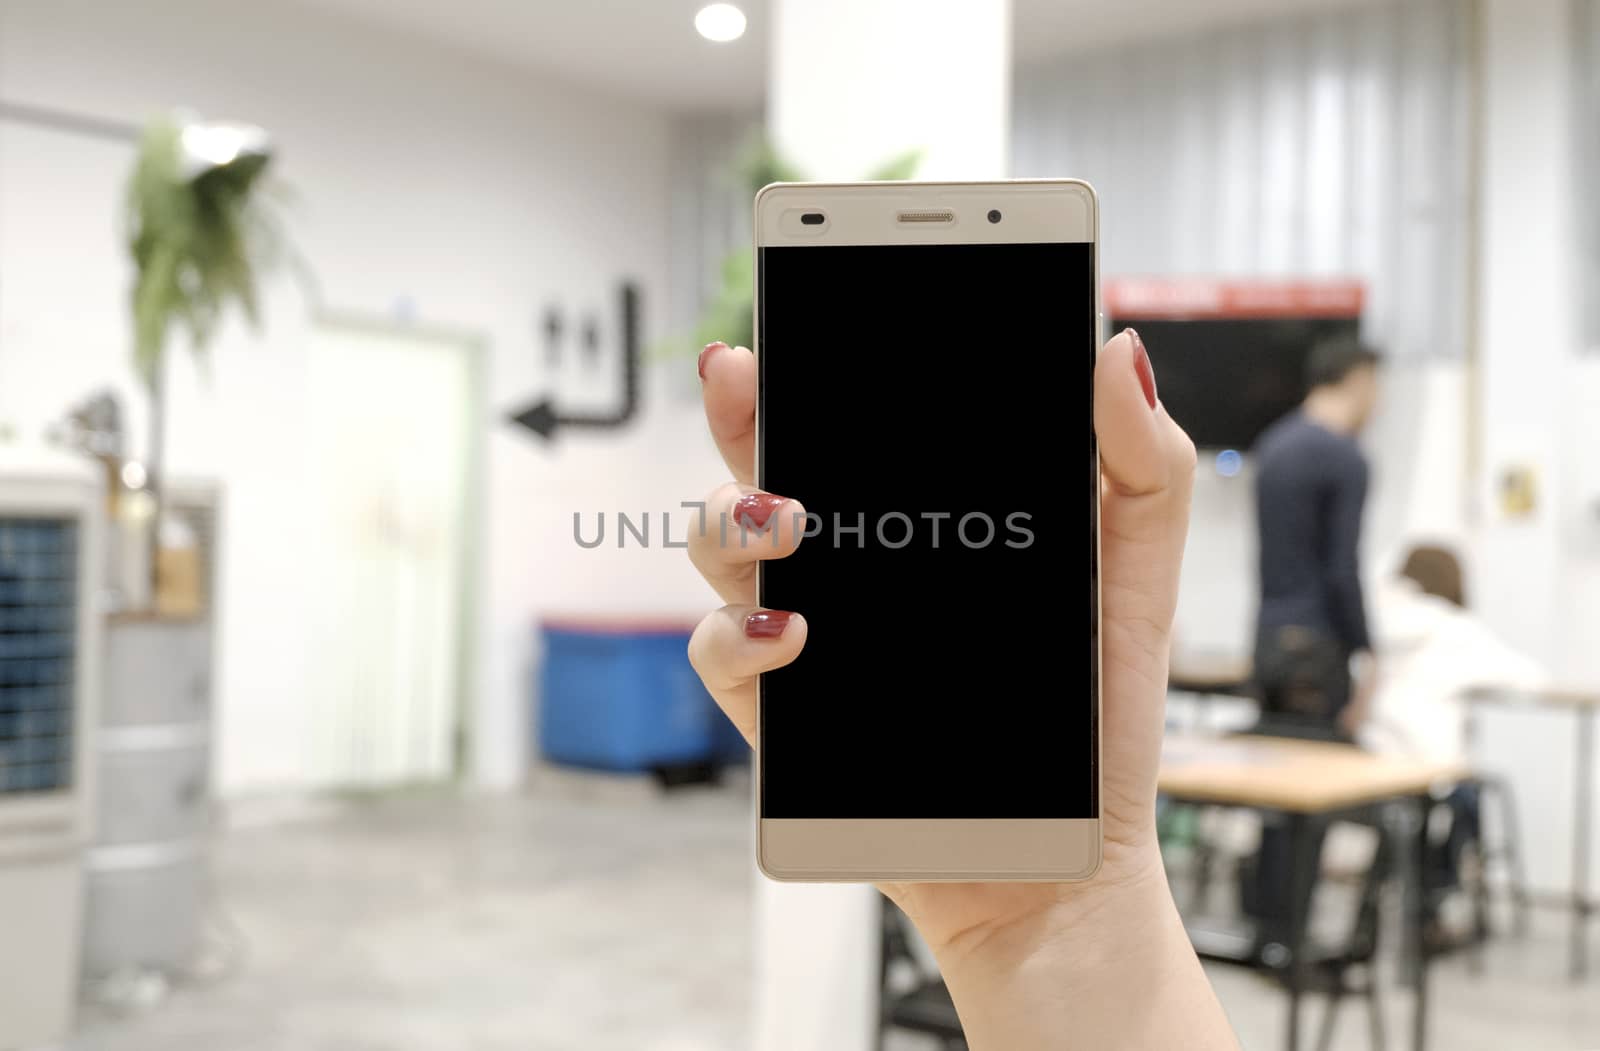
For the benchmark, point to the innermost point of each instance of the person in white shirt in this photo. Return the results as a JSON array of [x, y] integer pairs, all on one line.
[[1433, 650]]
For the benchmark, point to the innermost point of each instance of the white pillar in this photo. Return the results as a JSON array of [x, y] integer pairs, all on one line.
[[1526, 312], [854, 84]]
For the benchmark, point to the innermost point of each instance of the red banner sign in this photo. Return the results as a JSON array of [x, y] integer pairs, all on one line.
[[1179, 299]]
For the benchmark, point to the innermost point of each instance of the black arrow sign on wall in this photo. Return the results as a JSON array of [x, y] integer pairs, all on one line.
[[545, 418]]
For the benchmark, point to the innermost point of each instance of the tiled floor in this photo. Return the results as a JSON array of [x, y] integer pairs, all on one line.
[[615, 921]]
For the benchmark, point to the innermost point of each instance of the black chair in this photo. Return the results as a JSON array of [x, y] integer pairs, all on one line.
[[1339, 970], [1508, 849], [1334, 969], [911, 997], [1450, 870]]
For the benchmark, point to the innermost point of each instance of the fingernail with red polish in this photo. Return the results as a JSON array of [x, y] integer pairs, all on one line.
[[766, 623], [1141, 365], [705, 356], [757, 508]]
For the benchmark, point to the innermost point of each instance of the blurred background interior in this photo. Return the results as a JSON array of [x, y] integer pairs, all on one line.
[[342, 708]]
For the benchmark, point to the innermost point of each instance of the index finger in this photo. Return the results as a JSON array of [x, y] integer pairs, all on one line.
[[728, 385]]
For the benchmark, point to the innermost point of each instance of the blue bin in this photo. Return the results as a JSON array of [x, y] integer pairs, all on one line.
[[623, 697], [728, 745]]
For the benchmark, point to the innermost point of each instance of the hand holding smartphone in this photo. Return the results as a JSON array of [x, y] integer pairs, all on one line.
[[925, 694]]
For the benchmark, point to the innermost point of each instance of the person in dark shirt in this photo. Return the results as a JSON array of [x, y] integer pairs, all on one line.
[[1311, 489]]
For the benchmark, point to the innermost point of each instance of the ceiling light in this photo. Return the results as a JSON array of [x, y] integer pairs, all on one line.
[[720, 22], [215, 144]]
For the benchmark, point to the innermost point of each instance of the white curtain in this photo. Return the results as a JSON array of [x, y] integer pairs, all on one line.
[[1333, 144], [1587, 130], [1329, 145]]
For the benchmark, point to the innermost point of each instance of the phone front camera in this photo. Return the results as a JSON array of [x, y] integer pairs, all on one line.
[[994, 215]]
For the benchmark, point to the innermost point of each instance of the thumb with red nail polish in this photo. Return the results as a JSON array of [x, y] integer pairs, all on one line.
[[1142, 368]]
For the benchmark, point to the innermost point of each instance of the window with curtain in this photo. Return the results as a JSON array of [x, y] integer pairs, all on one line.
[[1326, 145], [1331, 144]]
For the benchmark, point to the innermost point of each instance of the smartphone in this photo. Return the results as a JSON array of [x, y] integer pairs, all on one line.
[[926, 354]]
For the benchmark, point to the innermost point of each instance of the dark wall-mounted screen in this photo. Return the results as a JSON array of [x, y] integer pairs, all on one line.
[[1225, 380]]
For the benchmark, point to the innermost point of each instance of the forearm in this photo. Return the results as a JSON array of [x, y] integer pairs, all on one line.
[[1108, 969], [1344, 569], [1349, 609]]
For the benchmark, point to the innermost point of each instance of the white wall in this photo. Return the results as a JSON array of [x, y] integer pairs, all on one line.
[[429, 183], [1538, 579]]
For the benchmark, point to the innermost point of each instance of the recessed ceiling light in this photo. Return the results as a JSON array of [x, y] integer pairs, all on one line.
[[720, 22]]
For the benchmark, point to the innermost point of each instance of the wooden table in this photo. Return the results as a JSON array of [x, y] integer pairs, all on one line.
[[1311, 784], [1582, 704]]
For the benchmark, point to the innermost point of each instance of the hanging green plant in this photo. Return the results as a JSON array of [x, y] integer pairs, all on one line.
[[198, 233], [731, 312]]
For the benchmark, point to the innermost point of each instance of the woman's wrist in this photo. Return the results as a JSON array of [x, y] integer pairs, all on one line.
[[1106, 966], [1101, 917]]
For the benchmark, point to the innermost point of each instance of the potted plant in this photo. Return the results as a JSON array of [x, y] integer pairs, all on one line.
[[199, 235]]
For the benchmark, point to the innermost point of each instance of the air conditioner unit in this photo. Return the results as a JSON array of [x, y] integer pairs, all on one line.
[[51, 509]]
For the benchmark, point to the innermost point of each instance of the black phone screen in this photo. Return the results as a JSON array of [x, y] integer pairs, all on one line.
[[931, 407]]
